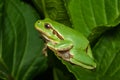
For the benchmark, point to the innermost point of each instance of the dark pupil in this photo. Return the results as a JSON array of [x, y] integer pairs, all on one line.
[[47, 26]]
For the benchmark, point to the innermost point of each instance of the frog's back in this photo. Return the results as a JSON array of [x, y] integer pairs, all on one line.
[[78, 39]]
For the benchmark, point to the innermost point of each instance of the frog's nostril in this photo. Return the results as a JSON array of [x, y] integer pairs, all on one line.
[[39, 22]]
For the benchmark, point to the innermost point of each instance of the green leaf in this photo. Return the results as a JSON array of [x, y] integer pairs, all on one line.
[[89, 14], [54, 9], [1, 10], [1, 22], [60, 75], [20, 55], [107, 53], [80, 73]]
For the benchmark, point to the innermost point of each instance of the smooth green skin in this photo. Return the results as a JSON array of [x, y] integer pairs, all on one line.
[[74, 42]]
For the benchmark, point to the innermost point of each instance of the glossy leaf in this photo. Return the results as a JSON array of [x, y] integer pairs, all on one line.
[[54, 9], [21, 56], [89, 14], [60, 75]]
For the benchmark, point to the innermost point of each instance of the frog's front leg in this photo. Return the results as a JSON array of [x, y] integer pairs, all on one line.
[[44, 50], [61, 46]]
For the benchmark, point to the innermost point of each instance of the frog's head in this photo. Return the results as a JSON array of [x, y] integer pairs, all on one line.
[[46, 28]]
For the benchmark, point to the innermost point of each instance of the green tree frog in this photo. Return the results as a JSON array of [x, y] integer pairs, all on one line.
[[66, 43]]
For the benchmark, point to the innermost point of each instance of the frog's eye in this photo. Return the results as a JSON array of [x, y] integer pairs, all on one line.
[[47, 26]]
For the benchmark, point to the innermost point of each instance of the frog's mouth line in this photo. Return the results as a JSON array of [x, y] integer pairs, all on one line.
[[48, 38]]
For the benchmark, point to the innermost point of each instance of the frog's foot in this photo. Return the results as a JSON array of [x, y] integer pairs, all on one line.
[[65, 55]]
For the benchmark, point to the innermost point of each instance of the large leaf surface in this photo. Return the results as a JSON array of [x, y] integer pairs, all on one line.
[[89, 14], [107, 53], [20, 55], [54, 9]]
